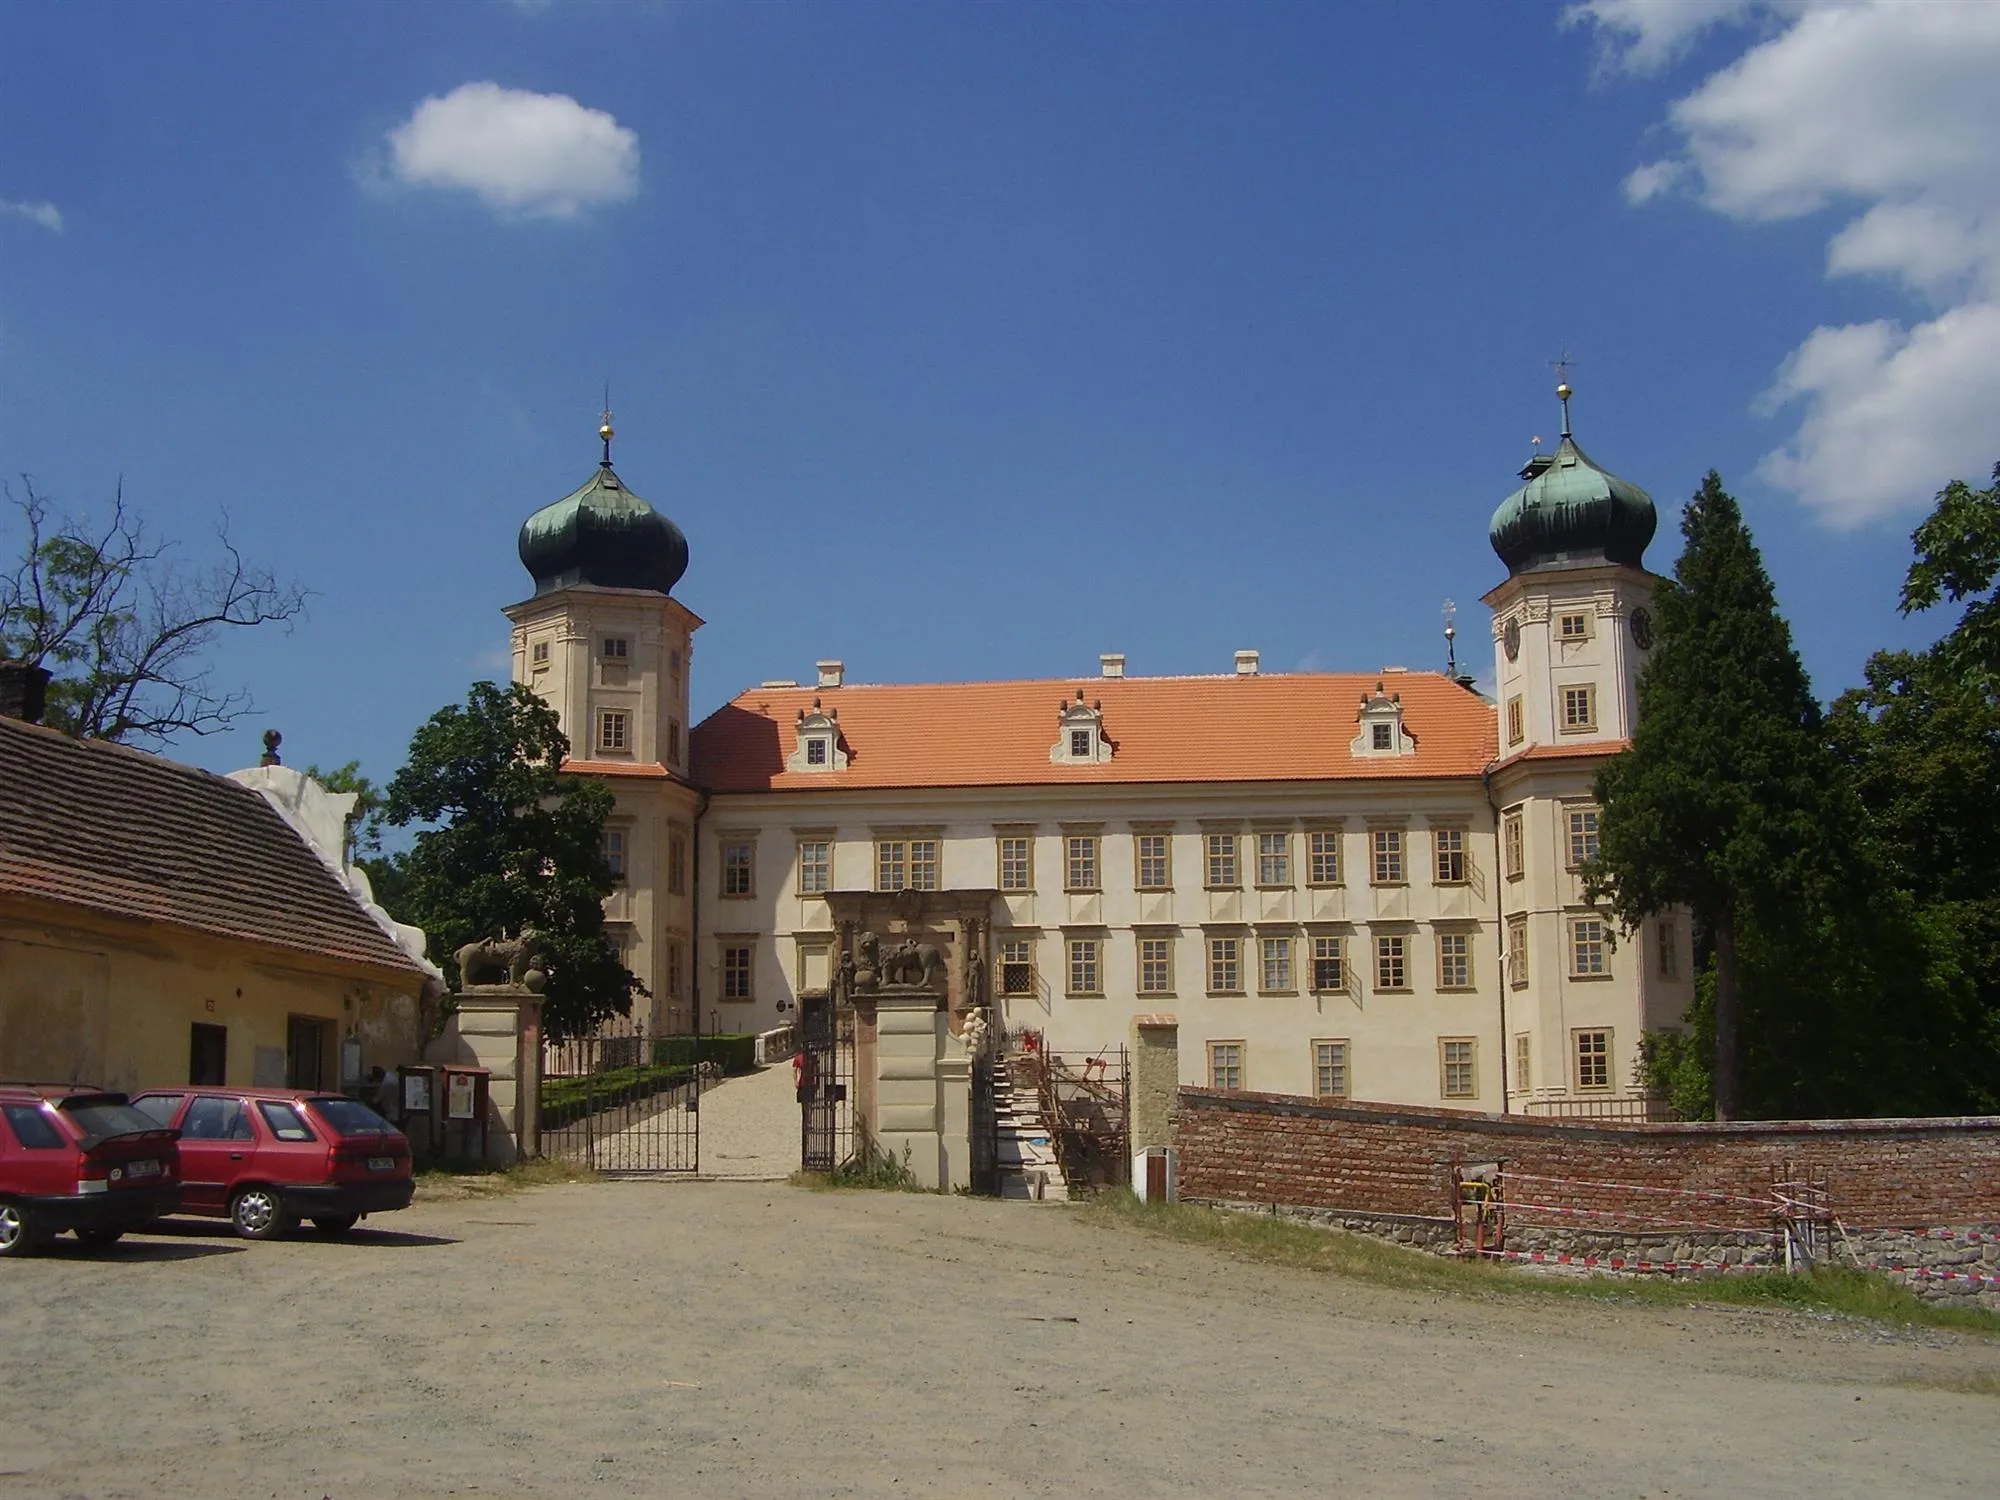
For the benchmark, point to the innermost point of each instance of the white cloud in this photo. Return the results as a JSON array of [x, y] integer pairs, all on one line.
[[1885, 109], [1643, 36], [45, 214], [525, 154]]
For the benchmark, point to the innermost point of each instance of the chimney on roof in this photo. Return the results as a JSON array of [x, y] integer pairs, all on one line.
[[24, 691], [1111, 664], [1246, 663], [831, 673]]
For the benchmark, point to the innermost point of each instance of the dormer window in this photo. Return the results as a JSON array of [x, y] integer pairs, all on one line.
[[1080, 737], [1382, 729], [818, 741]]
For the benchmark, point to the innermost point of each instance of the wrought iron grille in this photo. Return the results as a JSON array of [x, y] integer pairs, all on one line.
[[823, 1070], [624, 1102]]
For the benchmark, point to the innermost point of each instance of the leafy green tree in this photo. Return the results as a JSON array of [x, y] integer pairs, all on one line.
[[510, 843], [1721, 804], [364, 824], [125, 625], [1958, 557]]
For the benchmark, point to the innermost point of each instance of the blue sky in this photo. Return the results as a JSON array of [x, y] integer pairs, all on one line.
[[974, 340]]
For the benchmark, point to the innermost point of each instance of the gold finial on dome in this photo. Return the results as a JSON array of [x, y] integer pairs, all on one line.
[[1560, 364], [604, 431]]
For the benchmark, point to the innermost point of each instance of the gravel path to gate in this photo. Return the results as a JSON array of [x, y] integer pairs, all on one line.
[[760, 1340]]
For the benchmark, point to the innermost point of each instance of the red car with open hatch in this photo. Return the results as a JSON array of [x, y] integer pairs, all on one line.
[[266, 1158]]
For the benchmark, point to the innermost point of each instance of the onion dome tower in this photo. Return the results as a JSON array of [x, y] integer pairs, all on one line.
[[1571, 513], [603, 534]]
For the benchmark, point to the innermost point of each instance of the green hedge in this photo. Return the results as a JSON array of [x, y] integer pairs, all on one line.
[[567, 1099], [732, 1052]]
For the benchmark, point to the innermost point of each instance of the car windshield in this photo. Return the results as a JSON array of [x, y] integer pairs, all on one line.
[[102, 1118], [351, 1117]]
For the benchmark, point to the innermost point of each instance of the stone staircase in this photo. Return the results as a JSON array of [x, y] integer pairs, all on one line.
[[1028, 1167]]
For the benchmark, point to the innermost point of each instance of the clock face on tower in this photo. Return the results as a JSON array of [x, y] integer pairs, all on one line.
[[1510, 639], [1642, 628]]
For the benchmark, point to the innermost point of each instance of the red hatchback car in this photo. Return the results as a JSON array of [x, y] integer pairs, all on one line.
[[266, 1158], [81, 1159]]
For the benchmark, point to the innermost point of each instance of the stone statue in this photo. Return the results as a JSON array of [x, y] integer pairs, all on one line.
[[977, 1037], [515, 961], [975, 980], [868, 962], [913, 963]]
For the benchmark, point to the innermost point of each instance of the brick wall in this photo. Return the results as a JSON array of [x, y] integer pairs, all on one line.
[[1371, 1158]]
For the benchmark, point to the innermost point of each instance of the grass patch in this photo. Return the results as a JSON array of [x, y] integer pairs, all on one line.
[[1981, 1383], [1277, 1240], [874, 1169], [449, 1181]]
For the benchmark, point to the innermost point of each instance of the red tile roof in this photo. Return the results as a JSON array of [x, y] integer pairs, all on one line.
[[1594, 750], [1264, 727], [117, 830]]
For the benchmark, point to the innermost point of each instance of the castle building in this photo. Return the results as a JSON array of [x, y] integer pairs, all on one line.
[[1340, 884]]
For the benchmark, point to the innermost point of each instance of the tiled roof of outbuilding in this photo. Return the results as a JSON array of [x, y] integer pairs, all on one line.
[[1258, 727], [116, 830]]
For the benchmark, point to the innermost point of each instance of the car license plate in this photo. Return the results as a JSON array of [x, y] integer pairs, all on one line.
[[381, 1163], [142, 1169]]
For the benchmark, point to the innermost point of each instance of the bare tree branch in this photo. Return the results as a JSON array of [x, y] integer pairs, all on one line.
[[124, 626]]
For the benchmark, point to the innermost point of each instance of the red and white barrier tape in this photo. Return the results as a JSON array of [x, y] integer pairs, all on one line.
[[1928, 1274], [1671, 1267]]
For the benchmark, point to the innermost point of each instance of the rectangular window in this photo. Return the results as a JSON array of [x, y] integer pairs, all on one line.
[[1450, 856], [1086, 975], [1514, 845], [1274, 965], [616, 648], [673, 742], [1667, 937], [614, 852], [1579, 708], [923, 864], [1586, 947], [739, 869], [1080, 862], [1156, 966], [1387, 844], [1573, 627], [892, 865], [736, 971], [1153, 859], [1516, 728], [305, 1053], [1225, 1065], [1392, 963], [674, 665], [815, 867], [677, 863], [1017, 966], [1221, 849], [673, 968], [1582, 836], [1274, 859], [1079, 744], [539, 653], [614, 729], [1329, 963], [1017, 862], [1454, 961], [1524, 1055], [1323, 857], [1225, 966], [1382, 737], [1330, 1070], [1593, 1059], [208, 1055], [1517, 952], [1458, 1067], [815, 749]]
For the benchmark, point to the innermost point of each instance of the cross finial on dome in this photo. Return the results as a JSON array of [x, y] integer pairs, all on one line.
[[604, 426], [1561, 365]]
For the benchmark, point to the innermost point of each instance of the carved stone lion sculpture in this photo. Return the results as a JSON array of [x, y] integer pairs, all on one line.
[[914, 963], [515, 961]]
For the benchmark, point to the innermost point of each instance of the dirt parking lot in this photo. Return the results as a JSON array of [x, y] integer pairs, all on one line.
[[723, 1338]]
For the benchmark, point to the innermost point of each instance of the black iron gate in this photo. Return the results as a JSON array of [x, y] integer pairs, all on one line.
[[824, 1068], [985, 1128], [624, 1102]]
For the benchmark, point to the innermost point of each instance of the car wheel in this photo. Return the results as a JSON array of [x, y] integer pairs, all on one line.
[[331, 1224], [259, 1214], [18, 1235], [100, 1239]]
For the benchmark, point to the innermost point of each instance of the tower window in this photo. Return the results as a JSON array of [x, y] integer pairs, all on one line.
[[539, 653], [614, 729], [614, 852], [1574, 627], [615, 648], [1579, 708], [1516, 730]]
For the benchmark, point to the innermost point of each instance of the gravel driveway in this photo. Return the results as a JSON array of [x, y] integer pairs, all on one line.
[[740, 1338]]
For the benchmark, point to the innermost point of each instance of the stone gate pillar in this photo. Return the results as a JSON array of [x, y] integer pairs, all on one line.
[[921, 1088], [1156, 1079]]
